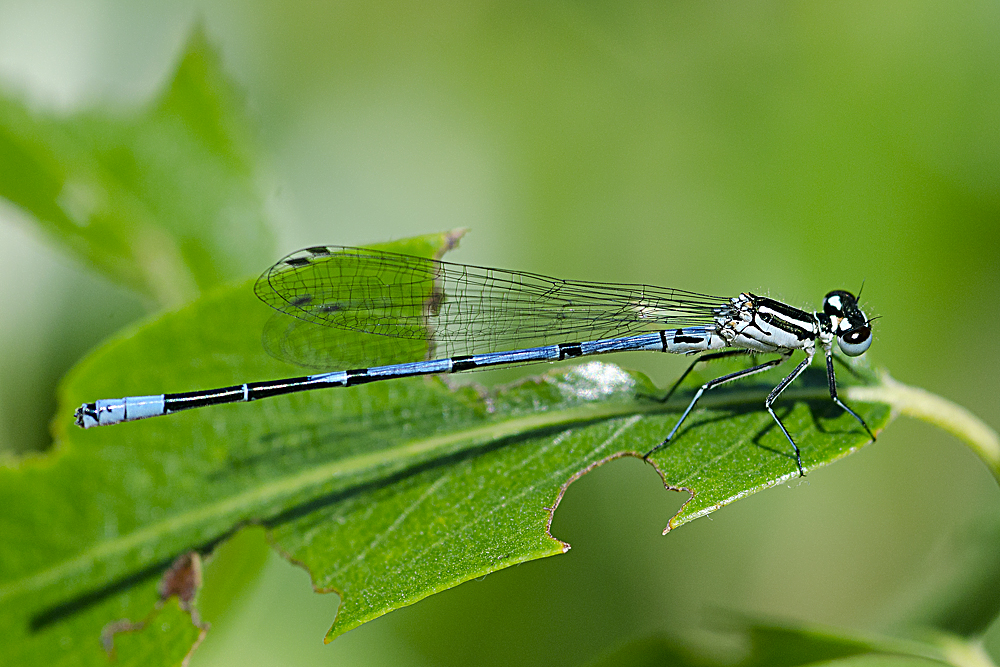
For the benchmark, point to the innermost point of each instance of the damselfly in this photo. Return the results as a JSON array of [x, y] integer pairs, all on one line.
[[414, 316]]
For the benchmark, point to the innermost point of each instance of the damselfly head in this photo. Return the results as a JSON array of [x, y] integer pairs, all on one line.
[[853, 329]]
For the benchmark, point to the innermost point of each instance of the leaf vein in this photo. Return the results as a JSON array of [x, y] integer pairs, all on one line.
[[380, 537]]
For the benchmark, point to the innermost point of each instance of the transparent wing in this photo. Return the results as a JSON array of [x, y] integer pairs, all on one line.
[[398, 308]]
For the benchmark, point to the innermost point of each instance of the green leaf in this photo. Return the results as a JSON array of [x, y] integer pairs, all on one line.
[[958, 589], [386, 493], [45, 626], [788, 645], [775, 644], [878, 660], [163, 199], [791, 644]]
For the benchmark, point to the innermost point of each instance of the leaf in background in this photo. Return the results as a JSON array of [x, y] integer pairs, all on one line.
[[958, 590], [386, 493], [791, 645], [772, 644], [163, 199], [878, 660]]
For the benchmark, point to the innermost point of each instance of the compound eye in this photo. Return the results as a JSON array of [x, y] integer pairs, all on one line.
[[856, 341]]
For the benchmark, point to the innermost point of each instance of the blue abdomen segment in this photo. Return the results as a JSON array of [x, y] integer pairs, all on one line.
[[114, 410]]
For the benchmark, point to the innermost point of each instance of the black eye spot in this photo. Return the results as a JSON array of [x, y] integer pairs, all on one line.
[[857, 335]]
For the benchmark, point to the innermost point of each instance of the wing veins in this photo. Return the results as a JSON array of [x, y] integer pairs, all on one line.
[[453, 308]]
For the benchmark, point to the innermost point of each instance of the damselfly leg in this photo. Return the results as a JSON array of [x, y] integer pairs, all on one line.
[[711, 384], [832, 380]]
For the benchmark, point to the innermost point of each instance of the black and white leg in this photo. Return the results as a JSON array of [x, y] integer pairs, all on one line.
[[831, 378], [753, 370], [714, 356], [773, 396]]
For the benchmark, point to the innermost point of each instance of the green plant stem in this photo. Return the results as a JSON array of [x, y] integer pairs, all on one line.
[[928, 407]]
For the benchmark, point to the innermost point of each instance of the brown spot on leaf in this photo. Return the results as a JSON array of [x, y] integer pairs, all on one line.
[[181, 580]]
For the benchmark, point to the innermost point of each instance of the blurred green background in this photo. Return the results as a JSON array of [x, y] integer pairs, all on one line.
[[783, 148]]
